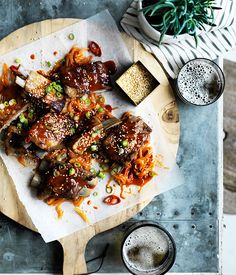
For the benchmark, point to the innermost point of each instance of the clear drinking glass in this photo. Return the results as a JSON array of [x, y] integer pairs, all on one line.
[[148, 248], [200, 82]]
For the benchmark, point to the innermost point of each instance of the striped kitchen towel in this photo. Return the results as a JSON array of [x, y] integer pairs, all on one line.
[[212, 43]]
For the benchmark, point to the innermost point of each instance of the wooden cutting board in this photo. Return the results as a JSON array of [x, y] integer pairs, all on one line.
[[166, 110]]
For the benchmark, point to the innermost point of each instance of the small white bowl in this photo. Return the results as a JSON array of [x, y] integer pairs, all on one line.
[[151, 32]]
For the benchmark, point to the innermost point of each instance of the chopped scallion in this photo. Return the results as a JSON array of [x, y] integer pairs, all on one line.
[[100, 110], [18, 60], [151, 174], [83, 98], [114, 171], [93, 147], [58, 94], [30, 115], [88, 115], [22, 118], [49, 89], [87, 102], [109, 189], [71, 36], [71, 115], [101, 175], [56, 173], [94, 155], [19, 125], [71, 171], [31, 110], [104, 166], [93, 171], [72, 130], [6, 103], [57, 87], [125, 143], [62, 166], [48, 63], [12, 102], [61, 157], [77, 164]]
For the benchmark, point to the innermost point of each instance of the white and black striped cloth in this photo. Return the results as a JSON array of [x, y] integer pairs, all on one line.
[[212, 43]]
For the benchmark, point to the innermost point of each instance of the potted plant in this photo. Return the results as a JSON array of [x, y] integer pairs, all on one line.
[[173, 20]]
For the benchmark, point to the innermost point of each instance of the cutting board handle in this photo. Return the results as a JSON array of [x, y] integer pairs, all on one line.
[[74, 247]]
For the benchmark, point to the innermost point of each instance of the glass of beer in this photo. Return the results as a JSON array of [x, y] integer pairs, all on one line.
[[200, 82], [148, 248]]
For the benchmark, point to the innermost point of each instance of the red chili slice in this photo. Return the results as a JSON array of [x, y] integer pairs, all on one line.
[[27, 140], [111, 200], [14, 68], [108, 107], [94, 48]]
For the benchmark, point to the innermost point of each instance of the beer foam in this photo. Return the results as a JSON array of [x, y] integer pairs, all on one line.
[[145, 249], [199, 82]]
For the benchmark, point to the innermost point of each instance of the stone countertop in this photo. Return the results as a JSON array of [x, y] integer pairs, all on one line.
[[191, 212]]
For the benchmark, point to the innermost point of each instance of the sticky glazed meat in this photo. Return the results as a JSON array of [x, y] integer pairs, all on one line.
[[51, 130], [81, 79], [36, 86], [12, 104], [123, 142], [66, 181], [93, 133]]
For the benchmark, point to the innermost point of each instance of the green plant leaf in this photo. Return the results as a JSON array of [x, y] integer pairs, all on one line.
[[160, 7], [181, 16]]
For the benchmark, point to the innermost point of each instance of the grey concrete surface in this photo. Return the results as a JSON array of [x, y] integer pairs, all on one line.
[[189, 212]]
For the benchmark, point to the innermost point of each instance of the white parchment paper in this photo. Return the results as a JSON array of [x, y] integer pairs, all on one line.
[[102, 29]]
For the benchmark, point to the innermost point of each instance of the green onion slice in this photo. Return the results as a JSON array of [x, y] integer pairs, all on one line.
[[100, 110], [48, 63], [94, 135], [62, 166], [61, 157], [71, 36], [93, 147], [77, 164], [93, 171], [12, 102], [125, 143], [101, 175], [88, 115], [109, 189], [71, 171], [18, 60]]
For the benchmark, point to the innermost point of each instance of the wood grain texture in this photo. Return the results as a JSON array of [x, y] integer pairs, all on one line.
[[166, 111], [230, 126], [229, 143]]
